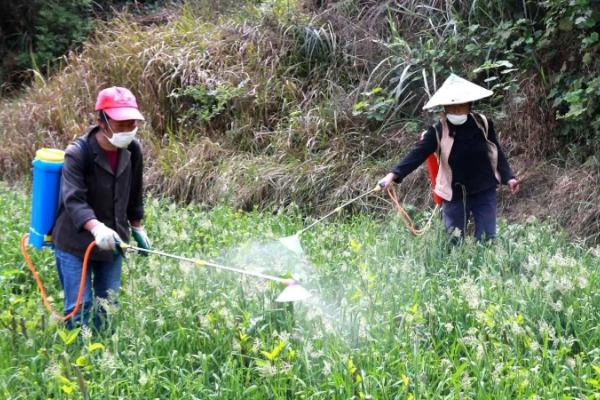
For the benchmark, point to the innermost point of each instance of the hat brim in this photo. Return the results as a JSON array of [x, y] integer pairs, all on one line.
[[456, 90], [457, 100], [124, 113]]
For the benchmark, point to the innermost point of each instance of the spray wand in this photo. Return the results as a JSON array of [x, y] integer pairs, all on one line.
[[292, 292], [293, 242]]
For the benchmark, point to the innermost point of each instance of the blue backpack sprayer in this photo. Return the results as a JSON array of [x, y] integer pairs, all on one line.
[[47, 171], [47, 168]]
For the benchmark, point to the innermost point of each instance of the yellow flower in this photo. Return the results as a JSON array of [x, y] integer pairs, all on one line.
[[350, 366], [243, 337], [405, 380], [355, 246], [414, 309], [95, 347], [67, 389], [272, 355], [291, 354], [81, 361]]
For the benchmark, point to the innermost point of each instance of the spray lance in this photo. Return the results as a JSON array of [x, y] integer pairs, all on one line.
[[293, 242], [292, 292]]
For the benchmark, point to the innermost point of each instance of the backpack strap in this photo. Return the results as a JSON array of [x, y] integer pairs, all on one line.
[[482, 123], [135, 149], [437, 138], [82, 143]]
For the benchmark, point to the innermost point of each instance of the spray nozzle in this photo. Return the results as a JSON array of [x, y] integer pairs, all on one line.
[[293, 292], [120, 248]]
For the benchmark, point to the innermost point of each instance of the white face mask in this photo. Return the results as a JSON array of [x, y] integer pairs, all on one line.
[[121, 139], [457, 119]]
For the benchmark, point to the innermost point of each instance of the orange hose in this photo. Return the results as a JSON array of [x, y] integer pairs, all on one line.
[[40, 285], [406, 218]]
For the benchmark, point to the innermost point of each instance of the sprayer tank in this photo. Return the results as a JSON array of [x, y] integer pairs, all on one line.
[[47, 168]]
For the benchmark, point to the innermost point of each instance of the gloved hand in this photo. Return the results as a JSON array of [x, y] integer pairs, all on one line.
[[386, 181], [142, 239], [105, 237]]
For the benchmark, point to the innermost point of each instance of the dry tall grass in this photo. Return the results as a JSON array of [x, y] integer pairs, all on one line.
[[285, 134]]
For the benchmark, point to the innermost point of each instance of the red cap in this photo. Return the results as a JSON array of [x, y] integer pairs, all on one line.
[[118, 103]]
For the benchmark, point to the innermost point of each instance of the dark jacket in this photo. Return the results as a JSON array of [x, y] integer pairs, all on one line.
[[90, 189], [468, 158]]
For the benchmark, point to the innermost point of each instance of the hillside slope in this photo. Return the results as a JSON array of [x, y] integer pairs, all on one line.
[[281, 103]]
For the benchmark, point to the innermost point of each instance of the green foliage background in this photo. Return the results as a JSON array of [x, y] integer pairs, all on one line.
[[36, 33], [287, 108]]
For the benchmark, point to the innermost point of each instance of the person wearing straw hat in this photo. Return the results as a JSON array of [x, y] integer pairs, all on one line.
[[101, 200], [471, 161]]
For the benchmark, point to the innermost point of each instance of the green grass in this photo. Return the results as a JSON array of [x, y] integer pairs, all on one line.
[[263, 103], [393, 317]]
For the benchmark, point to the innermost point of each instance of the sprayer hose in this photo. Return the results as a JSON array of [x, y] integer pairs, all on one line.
[[406, 218], [40, 285]]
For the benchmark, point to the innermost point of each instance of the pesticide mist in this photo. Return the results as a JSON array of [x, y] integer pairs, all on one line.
[[273, 257]]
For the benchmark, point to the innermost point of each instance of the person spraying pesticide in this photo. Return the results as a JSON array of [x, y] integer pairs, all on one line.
[[471, 163], [101, 200], [84, 202]]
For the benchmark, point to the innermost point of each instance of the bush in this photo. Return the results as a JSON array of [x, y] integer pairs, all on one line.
[[59, 25], [38, 32], [35, 34], [569, 44]]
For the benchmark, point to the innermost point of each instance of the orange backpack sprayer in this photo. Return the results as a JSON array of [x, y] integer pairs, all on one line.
[[45, 196], [432, 169]]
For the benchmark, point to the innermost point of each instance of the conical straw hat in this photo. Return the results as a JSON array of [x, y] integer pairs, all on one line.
[[457, 90]]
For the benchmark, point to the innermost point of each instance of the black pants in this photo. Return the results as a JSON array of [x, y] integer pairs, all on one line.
[[482, 206]]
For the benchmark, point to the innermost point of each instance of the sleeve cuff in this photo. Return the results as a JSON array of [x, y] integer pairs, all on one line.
[[393, 171], [505, 180], [79, 219], [135, 215]]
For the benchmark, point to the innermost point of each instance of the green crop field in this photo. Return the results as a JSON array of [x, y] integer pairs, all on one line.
[[392, 316]]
